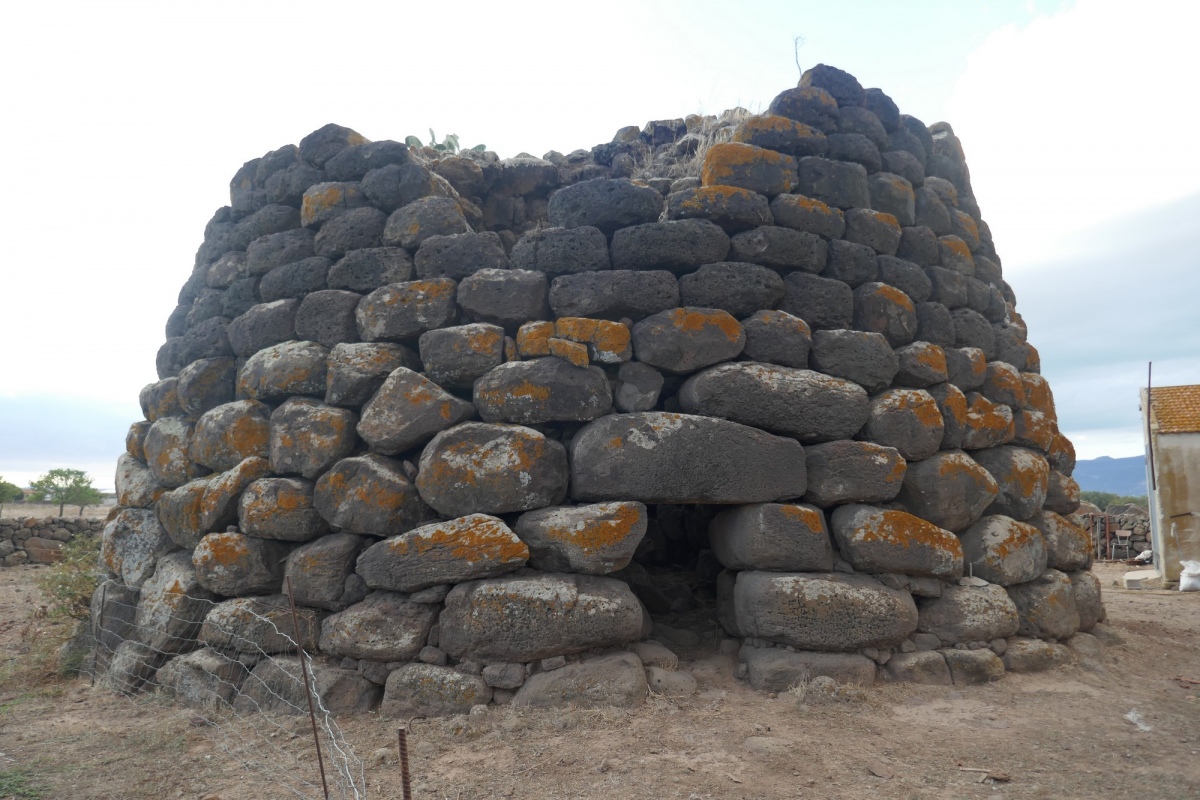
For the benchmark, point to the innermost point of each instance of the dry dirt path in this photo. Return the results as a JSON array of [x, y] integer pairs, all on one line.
[[1060, 734]]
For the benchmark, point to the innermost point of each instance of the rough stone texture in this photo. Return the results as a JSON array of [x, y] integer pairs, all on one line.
[[878, 540], [593, 539], [408, 410], [927, 667], [687, 339], [772, 536], [1034, 655], [308, 437], [777, 337], [166, 449], [172, 605], [284, 370], [280, 508], [228, 434], [356, 371], [968, 614], [733, 208], [260, 626], [561, 251], [233, 564], [1068, 546], [369, 494], [847, 471], [886, 310], [467, 548], [863, 357], [529, 617], [455, 357], [277, 685], [736, 287], [1002, 550], [1046, 606], [321, 572], [617, 679], [773, 669], [949, 489], [800, 403], [505, 297], [1085, 588], [542, 390], [491, 469], [460, 255], [135, 483], [822, 611], [206, 679], [677, 245], [969, 667], [1022, 477], [401, 312], [908, 420], [714, 460], [427, 690], [384, 627], [132, 543]]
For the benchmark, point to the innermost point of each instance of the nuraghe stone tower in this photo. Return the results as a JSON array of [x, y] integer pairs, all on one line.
[[499, 423]]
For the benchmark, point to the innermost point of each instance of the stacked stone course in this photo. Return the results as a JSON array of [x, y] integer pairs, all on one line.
[[26, 540], [473, 410]]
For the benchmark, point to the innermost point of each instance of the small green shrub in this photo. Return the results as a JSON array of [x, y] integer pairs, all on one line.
[[447, 145], [70, 583]]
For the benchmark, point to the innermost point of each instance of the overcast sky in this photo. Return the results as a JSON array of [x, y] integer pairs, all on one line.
[[125, 122]]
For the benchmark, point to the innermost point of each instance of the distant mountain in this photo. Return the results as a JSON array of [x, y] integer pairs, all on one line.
[[1125, 476]]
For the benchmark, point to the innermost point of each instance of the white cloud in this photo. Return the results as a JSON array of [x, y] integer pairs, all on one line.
[[1077, 118]]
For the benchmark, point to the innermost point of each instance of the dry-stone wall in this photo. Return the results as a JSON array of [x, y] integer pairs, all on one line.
[[500, 422], [38, 540]]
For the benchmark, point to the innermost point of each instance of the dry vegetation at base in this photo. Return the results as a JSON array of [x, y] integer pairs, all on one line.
[[43, 510], [1056, 735]]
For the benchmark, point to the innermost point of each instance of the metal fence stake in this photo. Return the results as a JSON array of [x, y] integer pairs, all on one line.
[[312, 715]]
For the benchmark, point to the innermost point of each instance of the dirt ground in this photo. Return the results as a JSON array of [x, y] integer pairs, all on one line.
[[1060, 734]]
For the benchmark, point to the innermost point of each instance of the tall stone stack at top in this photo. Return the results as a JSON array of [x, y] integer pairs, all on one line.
[[474, 410]]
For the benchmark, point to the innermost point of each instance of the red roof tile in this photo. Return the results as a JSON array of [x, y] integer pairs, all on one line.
[[1176, 409]]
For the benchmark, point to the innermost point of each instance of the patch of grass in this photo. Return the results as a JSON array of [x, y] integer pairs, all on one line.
[[15, 783], [70, 583]]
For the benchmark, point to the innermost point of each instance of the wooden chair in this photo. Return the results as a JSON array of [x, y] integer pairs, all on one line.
[[1121, 539]]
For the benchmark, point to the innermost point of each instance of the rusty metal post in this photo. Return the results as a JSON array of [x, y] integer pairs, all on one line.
[[405, 778], [312, 715]]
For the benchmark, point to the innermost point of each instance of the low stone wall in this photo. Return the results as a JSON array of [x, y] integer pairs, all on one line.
[[30, 540]]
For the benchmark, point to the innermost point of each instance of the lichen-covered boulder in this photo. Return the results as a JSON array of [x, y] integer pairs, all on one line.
[[1022, 477], [261, 626], [542, 390], [908, 420], [172, 605], [594, 539], [1004, 551], [233, 564], [776, 669], [280, 508], [207, 504], [166, 449], [949, 489], [457, 550], [321, 573], [276, 685], [136, 485], [1068, 546], [455, 357], [1046, 606], [687, 339], [428, 690], [968, 667], [491, 469], [799, 403], [357, 370], [620, 457], [403, 311], [383, 627], [777, 337], [613, 294], [772, 536], [369, 494], [879, 540], [860, 356], [408, 410], [848, 471], [284, 370], [205, 678], [615, 679], [228, 434], [677, 245], [607, 204], [132, 543], [968, 614], [308, 437], [822, 611], [1085, 588], [528, 617]]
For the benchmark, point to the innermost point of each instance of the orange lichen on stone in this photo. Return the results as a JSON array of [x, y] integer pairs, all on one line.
[[905, 530], [933, 357], [483, 342], [607, 340], [573, 352], [956, 246], [898, 297], [222, 549], [482, 538], [708, 197], [525, 390], [533, 339], [739, 164], [694, 320], [809, 517], [598, 533]]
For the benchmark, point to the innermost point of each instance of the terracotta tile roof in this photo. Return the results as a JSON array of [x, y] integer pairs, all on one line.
[[1176, 408]]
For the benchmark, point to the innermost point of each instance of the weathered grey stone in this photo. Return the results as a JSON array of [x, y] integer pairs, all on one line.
[[823, 303], [172, 605], [733, 208], [293, 281], [261, 626], [327, 317], [384, 627], [408, 410], [621, 457], [738, 288], [233, 564], [166, 449], [748, 166], [949, 489], [1046, 606], [206, 384], [561, 251], [423, 218], [908, 278], [491, 469], [800, 403], [205, 678], [356, 371], [467, 548], [276, 249], [614, 294], [638, 387], [617, 679], [880, 540], [969, 667], [782, 249], [859, 356], [280, 508], [884, 309], [837, 183], [850, 263], [504, 676], [777, 337], [893, 194], [655, 654], [460, 255], [774, 669], [967, 367], [952, 404], [928, 667], [403, 311], [594, 539], [284, 370], [921, 365], [538, 615], [160, 400], [427, 690], [1085, 588], [607, 204], [355, 161], [908, 420], [876, 229], [133, 666], [847, 471], [394, 186], [969, 614], [1004, 551], [1068, 546], [1034, 655], [356, 229], [809, 104], [822, 611], [369, 494], [263, 326], [542, 390], [505, 297], [771, 536], [308, 437], [687, 339], [277, 685], [678, 245], [971, 329], [986, 424], [321, 573], [455, 357], [228, 434], [1022, 477], [132, 543], [136, 485], [366, 269]]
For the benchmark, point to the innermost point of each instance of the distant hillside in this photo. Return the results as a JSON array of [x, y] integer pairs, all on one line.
[[1125, 476]]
